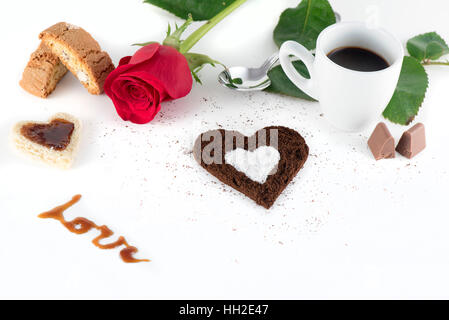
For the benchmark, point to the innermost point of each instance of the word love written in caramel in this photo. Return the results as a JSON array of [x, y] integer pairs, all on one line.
[[83, 225]]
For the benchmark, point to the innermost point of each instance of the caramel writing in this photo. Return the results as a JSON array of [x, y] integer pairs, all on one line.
[[83, 225]]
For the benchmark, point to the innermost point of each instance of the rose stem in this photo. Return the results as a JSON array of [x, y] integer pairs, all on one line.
[[188, 43]]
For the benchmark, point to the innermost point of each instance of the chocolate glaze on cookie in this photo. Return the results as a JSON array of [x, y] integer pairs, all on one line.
[[290, 144], [55, 135]]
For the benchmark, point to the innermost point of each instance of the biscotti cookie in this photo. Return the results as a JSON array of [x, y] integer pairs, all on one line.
[[43, 72], [54, 142], [260, 166], [80, 53]]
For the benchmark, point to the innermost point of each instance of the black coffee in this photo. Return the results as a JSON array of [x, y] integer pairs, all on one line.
[[358, 59]]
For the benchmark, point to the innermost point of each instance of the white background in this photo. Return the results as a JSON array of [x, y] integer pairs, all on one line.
[[347, 227]]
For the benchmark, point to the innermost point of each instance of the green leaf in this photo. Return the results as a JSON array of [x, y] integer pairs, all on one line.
[[428, 46], [200, 9], [304, 23], [281, 84], [197, 62], [409, 94]]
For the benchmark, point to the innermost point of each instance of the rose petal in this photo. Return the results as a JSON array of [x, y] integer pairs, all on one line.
[[138, 93], [113, 76], [140, 83], [141, 106], [171, 69], [150, 114], [119, 89], [124, 60], [138, 90], [122, 108], [145, 117], [145, 53], [138, 111], [149, 79]]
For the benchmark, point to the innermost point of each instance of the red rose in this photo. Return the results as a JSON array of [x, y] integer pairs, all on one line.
[[140, 83]]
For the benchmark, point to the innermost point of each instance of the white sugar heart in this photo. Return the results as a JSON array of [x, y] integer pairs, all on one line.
[[256, 165]]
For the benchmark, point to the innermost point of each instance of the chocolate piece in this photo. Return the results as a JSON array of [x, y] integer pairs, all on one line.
[[55, 135], [292, 148], [381, 143], [413, 141]]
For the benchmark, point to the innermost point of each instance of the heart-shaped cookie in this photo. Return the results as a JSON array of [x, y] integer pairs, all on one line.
[[271, 158], [54, 142]]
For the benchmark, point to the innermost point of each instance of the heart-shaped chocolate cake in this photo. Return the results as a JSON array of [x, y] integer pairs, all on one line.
[[54, 142], [260, 166]]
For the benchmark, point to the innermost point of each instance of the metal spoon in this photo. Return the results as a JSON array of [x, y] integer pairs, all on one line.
[[248, 79], [251, 79]]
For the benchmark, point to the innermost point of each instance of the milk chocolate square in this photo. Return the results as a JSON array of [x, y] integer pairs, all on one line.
[[413, 141], [381, 143]]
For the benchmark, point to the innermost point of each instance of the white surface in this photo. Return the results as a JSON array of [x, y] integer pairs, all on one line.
[[347, 227], [350, 100], [256, 165]]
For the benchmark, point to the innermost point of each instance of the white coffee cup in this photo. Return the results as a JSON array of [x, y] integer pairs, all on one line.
[[350, 100]]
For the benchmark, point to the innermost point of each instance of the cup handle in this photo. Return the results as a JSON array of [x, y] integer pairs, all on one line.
[[292, 48]]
